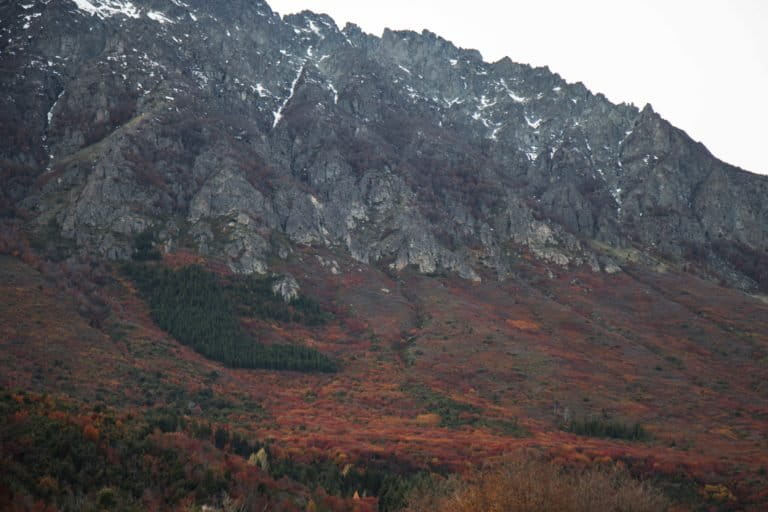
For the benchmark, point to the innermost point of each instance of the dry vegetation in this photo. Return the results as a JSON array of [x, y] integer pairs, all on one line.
[[436, 373], [530, 484]]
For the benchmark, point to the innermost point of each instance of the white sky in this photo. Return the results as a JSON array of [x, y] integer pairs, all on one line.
[[703, 65]]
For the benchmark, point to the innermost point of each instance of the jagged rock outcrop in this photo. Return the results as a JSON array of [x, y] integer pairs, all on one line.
[[241, 134], [286, 287]]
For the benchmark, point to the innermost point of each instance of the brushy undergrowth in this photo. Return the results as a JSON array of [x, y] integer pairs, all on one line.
[[533, 485]]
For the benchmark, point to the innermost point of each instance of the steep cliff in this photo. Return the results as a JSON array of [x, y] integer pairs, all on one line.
[[225, 128]]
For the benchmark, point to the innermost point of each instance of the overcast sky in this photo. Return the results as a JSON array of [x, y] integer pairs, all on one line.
[[703, 65]]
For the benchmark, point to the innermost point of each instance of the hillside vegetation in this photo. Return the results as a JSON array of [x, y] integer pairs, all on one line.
[[628, 376], [194, 307], [529, 484]]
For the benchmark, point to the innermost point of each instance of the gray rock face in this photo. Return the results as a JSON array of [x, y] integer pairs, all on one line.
[[286, 287], [241, 134]]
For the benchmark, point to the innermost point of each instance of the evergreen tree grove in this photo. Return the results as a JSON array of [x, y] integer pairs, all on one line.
[[197, 310]]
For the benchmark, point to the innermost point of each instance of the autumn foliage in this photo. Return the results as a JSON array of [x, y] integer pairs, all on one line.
[[524, 484], [436, 375]]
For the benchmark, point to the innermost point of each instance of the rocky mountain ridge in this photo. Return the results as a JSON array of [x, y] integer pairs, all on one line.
[[228, 129]]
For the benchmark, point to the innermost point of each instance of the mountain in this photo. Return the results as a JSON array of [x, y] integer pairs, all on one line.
[[497, 259], [235, 132]]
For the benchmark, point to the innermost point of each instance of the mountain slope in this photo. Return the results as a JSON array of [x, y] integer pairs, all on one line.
[[230, 130], [502, 261], [438, 373]]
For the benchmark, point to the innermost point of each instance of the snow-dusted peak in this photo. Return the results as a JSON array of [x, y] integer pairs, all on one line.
[[108, 8]]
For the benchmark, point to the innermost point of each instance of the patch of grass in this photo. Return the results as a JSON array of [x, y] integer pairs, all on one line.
[[454, 414], [507, 427], [599, 427]]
